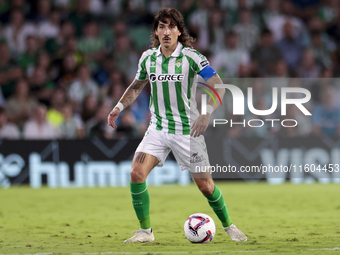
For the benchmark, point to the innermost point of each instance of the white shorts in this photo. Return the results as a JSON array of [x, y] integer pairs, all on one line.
[[190, 153]]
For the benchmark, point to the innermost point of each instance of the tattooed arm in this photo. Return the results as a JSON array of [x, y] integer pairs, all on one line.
[[132, 92], [130, 95]]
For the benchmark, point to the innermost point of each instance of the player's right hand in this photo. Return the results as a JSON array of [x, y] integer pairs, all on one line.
[[113, 117]]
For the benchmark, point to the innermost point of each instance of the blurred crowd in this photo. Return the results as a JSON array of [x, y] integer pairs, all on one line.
[[64, 64]]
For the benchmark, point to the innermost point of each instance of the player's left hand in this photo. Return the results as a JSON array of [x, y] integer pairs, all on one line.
[[200, 125], [113, 117]]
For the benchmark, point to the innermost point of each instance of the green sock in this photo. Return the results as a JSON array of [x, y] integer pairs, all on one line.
[[216, 201], [141, 203]]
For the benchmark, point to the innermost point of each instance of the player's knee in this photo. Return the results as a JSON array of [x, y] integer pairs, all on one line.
[[207, 188], [137, 175]]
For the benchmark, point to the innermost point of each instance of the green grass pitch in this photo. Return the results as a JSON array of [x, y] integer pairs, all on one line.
[[283, 219]]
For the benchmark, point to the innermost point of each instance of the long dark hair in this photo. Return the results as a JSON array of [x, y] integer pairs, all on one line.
[[176, 19]]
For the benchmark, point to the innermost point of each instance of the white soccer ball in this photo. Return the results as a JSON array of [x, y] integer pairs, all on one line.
[[199, 228]]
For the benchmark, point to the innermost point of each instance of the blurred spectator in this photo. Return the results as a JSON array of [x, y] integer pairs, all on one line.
[[97, 126], [37, 127], [135, 14], [91, 44], [67, 71], [42, 12], [89, 107], [127, 126], [97, 7], [54, 44], [248, 33], [271, 12], [280, 78], [115, 76], [320, 84], [50, 27], [198, 22], [308, 68], [20, 106], [27, 59], [281, 69], [114, 93], [326, 118], [119, 29], [227, 62], [315, 25], [276, 23], [2, 99], [216, 31], [9, 71], [82, 86], [40, 87], [114, 8], [71, 46], [54, 114], [306, 9], [72, 127], [328, 11], [43, 61], [13, 5], [81, 15], [125, 57], [103, 74], [291, 47], [1, 34], [7, 130], [64, 5], [236, 6], [17, 31], [140, 108], [321, 51], [265, 55], [333, 31]]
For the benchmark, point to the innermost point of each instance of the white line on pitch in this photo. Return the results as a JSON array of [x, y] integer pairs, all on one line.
[[166, 252], [325, 249]]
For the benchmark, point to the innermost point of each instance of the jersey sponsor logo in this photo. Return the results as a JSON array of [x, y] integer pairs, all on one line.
[[204, 63], [166, 77]]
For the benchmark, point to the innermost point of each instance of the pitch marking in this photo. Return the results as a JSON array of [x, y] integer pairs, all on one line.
[[164, 252]]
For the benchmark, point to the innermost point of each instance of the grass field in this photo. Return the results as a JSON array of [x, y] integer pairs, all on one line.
[[284, 219]]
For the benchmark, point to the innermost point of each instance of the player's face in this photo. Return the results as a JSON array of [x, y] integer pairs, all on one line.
[[167, 34]]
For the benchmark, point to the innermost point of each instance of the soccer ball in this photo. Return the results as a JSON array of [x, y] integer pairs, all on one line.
[[199, 228]]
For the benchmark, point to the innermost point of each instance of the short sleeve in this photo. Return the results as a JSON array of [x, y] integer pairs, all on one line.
[[141, 72], [197, 61]]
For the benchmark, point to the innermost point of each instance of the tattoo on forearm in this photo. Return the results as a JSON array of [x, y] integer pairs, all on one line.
[[132, 92], [140, 157]]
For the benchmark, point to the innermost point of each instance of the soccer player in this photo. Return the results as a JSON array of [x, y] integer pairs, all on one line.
[[171, 66]]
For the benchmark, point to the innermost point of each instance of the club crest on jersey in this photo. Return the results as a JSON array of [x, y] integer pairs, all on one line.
[[166, 77], [178, 63], [153, 64]]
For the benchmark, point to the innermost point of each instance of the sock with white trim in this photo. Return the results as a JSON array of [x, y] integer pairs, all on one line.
[[141, 203], [216, 201]]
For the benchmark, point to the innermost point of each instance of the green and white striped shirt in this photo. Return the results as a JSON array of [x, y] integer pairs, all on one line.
[[173, 87]]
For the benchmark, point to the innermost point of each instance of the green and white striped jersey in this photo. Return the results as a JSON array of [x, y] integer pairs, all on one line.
[[173, 87]]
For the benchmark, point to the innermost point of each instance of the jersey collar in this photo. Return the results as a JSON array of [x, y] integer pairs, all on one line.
[[176, 52]]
